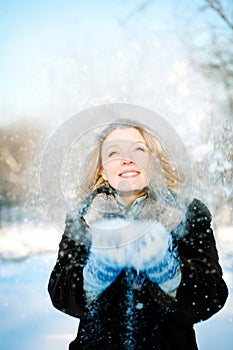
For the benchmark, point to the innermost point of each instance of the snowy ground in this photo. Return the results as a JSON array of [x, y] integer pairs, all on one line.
[[29, 321]]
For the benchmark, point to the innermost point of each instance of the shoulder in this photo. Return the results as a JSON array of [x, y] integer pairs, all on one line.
[[197, 211], [196, 219]]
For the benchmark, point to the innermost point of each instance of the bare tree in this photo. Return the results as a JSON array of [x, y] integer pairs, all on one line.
[[216, 62], [215, 58], [218, 8], [206, 29]]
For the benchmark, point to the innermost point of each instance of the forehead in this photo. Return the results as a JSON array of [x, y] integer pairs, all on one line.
[[128, 134]]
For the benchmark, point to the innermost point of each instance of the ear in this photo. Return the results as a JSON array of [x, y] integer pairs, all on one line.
[[103, 174]]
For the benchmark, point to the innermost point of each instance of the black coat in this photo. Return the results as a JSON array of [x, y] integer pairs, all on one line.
[[133, 313]]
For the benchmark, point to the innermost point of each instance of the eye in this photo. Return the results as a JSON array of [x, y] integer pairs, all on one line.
[[112, 154], [140, 148]]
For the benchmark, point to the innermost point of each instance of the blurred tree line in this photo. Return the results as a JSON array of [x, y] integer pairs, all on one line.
[[18, 172]]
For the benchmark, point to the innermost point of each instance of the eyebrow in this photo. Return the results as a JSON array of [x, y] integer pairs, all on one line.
[[143, 142], [111, 146], [117, 145]]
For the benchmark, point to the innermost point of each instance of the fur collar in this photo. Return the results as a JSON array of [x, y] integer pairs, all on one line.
[[105, 206]]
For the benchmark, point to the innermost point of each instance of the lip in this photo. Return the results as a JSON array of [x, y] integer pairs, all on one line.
[[129, 173]]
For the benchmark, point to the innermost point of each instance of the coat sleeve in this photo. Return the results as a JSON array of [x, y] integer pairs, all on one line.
[[202, 291], [66, 281]]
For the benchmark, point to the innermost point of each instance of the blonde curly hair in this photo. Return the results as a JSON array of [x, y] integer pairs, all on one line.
[[93, 179]]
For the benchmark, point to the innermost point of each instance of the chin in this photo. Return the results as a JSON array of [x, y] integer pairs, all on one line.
[[127, 186], [130, 190]]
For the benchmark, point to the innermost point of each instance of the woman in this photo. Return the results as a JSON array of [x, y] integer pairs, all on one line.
[[132, 265]]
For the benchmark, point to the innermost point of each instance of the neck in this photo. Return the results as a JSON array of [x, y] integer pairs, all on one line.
[[129, 197]]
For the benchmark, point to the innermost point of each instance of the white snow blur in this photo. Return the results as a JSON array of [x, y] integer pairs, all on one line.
[[20, 241]]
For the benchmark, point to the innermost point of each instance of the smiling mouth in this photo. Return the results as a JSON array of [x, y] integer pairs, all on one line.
[[129, 174]]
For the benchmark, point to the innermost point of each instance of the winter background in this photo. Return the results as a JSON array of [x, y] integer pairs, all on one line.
[[61, 57]]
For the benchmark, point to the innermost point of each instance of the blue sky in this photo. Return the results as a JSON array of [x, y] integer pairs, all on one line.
[[62, 56]]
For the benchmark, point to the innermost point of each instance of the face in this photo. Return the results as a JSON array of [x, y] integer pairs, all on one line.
[[125, 161]]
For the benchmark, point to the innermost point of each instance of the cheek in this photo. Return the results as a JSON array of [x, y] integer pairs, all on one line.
[[110, 169], [143, 162]]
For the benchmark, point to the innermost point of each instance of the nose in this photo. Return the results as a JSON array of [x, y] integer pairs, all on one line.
[[127, 161]]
